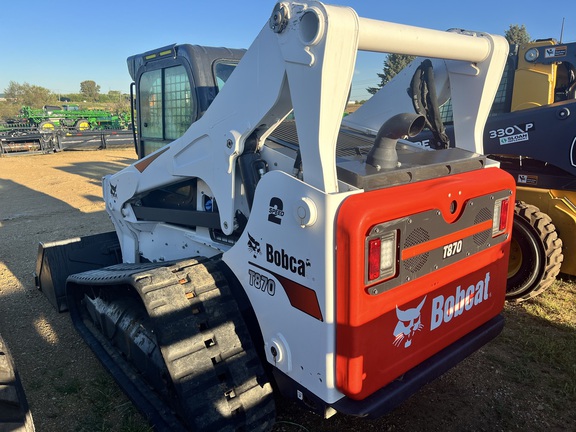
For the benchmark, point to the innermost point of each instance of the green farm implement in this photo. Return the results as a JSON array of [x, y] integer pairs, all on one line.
[[43, 130], [71, 117]]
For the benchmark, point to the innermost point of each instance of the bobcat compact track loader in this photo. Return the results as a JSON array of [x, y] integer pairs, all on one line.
[[343, 267]]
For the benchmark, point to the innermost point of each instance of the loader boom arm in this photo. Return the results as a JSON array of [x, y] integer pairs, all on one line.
[[467, 67], [302, 60]]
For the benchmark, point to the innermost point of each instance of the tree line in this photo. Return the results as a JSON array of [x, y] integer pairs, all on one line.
[[18, 95]]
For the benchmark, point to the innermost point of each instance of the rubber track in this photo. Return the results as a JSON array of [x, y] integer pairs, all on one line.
[[15, 414], [546, 231], [216, 374]]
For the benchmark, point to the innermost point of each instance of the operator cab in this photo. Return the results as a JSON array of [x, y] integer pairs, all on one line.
[[173, 90], [565, 88]]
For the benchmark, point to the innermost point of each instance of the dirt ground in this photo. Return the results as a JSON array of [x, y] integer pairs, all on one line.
[[57, 196], [46, 198]]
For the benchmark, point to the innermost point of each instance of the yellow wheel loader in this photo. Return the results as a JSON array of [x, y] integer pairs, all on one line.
[[531, 131]]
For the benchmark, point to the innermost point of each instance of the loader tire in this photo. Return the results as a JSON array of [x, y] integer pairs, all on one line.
[[14, 411], [535, 253], [210, 377]]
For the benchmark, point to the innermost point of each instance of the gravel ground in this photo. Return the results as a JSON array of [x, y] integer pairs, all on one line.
[[46, 198]]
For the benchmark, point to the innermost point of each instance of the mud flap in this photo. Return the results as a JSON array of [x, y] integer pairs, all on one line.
[[58, 260]]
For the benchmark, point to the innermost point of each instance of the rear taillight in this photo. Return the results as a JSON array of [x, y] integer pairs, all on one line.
[[374, 246], [381, 256], [500, 219]]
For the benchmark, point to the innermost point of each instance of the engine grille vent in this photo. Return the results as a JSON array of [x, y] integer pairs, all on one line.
[[414, 265], [417, 236]]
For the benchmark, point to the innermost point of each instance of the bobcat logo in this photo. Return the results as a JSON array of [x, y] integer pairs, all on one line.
[[409, 322], [113, 190], [254, 246]]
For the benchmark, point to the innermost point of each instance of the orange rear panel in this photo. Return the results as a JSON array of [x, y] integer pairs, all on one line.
[[381, 336]]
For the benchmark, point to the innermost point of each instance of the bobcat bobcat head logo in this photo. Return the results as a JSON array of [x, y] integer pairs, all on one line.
[[113, 190], [409, 322], [253, 246]]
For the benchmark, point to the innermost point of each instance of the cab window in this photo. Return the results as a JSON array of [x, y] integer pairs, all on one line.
[[167, 106], [222, 71]]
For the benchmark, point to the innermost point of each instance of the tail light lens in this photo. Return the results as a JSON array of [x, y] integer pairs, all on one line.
[[381, 256], [500, 219], [374, 246]]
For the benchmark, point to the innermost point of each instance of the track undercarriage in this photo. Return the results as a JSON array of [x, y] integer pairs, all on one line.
[[173, 337]]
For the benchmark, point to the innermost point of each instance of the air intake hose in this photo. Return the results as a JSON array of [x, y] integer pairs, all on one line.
[[383, 154]]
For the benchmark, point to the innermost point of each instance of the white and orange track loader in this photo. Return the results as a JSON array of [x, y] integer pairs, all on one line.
[[343, 267]]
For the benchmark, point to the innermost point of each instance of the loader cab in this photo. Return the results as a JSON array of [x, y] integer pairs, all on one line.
[[565, 88], [536, 74], [172, 88], [544, 74], [502, 100]]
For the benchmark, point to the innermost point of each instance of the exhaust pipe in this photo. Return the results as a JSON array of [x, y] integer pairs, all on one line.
[[383, 153]]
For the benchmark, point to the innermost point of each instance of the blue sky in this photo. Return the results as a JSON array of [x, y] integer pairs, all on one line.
[[59, 44]]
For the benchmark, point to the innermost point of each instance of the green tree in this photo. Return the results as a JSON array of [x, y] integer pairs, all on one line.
[[30, 95], [120, 102], [517, 34], [90, 90], [393, 64], [114, 95], [14, 92], [8, 110]]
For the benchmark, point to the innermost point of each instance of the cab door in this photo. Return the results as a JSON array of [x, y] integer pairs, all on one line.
[[174, 86]]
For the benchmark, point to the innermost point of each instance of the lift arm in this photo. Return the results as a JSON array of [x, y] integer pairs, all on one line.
[[303, 59]]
